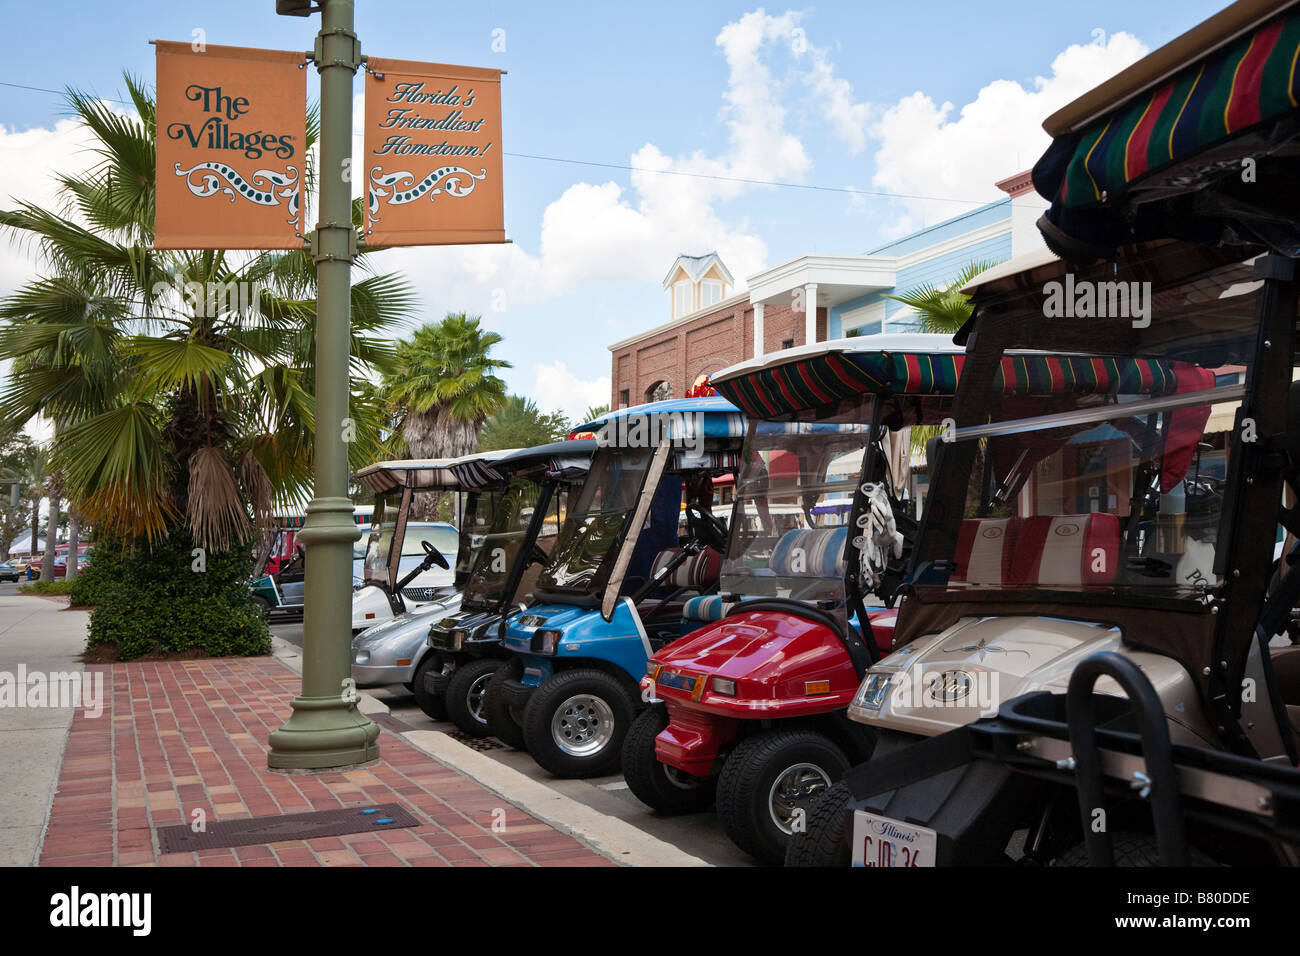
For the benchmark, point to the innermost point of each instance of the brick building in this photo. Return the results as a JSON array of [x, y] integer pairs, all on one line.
[[708, 330]]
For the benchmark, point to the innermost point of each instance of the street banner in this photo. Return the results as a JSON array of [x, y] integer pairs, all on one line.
[[232, 132], [432, 156]]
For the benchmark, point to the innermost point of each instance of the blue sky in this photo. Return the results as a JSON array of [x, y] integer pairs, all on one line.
[[846, 94]]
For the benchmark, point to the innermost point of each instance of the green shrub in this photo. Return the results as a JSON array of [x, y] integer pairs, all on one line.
[[98, 575], [47, 587], [151, 600]]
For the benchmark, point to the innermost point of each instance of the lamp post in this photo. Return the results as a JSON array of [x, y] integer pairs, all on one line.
[[326, 730]]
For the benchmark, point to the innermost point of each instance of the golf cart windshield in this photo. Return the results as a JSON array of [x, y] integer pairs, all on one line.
[[793, 499], [379, 546], [597, 520], [1093, 477], [496, 547]]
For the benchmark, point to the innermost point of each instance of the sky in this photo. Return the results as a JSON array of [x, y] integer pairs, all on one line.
[[918, 107]]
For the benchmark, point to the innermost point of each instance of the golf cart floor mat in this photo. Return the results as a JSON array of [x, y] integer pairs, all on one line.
[[290, 826], [476, 743]]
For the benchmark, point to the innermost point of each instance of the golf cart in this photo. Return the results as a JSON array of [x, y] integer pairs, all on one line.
[[613, 591], [1101, 679], [398, 571], [751, 704], [279, 574], [507, 561]]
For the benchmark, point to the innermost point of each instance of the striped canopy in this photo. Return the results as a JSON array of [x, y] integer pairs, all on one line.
[[1209, 126], [819, 380]]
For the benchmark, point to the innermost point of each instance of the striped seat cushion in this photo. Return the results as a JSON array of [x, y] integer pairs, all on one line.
[[698, 571], [706, 608], [1041, 551], [1066, 551], [810, 553], [984, 548]]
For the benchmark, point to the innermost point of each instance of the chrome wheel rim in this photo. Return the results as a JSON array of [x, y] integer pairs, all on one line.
[[476, 695], [792, 791], [582, 725]]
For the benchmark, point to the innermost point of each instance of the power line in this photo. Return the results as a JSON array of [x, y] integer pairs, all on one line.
[[853, 191], [753, 182]]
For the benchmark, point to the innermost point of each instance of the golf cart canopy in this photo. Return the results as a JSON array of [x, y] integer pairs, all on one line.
[[1196, 141], [816, 376], [564, 460]]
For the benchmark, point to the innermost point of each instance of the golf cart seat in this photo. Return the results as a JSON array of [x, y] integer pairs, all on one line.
[[699, 572], [1040, 551]]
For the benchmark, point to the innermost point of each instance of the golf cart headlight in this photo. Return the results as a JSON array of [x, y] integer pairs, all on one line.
[[725, 686], [544, 641], [871, 695], [457, 638], [652, 669]]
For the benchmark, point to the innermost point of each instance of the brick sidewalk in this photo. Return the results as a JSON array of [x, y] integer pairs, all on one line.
[[176, 737]]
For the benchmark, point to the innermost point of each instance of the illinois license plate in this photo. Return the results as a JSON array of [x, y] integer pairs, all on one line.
[[880, 841]]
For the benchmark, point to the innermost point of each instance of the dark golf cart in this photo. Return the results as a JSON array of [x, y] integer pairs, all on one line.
[[1123, 620], [507, 558]]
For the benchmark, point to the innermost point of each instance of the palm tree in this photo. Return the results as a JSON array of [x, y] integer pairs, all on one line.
[[443, 387], [35, 473], [943, 308], [593, 412], [519, 423], [173, 405]]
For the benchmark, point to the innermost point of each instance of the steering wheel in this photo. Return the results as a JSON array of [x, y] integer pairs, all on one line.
[[433, 556], [707, 529]]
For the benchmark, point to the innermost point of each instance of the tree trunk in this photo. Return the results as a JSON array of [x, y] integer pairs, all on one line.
[[74, 540], [51, 537], [36, 526]]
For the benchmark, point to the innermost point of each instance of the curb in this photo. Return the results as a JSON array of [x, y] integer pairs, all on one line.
[[609, 836]]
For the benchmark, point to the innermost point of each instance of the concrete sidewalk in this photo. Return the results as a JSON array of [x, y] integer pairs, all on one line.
[[41, 636]]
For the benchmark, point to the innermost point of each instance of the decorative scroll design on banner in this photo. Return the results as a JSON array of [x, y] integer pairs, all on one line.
[[400, 187], [266, 187]]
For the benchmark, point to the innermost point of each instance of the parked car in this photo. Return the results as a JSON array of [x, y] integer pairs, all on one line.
[[8, 572]]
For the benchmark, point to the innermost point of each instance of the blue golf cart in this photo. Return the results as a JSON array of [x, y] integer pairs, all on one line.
[[640, 538]]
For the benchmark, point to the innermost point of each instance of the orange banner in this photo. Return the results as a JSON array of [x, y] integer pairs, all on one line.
[[432, 160], [232, 133]]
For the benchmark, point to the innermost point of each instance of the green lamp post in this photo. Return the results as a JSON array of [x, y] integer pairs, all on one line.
[[326, 730]]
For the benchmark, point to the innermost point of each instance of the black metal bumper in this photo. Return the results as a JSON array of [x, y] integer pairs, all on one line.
[[435, 682]]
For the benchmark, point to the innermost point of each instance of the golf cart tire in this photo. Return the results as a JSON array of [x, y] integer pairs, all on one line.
[[825, 840], [463, 679], [1130, 849], [433, 705], [747, 778], [648, 778], [263, 607], [552, 694], [501, 722]]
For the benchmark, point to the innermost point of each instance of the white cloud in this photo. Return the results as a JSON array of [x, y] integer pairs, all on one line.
[[923, 150], [29, 160], [558, 388], [604, 232]]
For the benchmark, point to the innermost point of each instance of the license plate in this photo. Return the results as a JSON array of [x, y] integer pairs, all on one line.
[[677, 681], [880, 841]]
